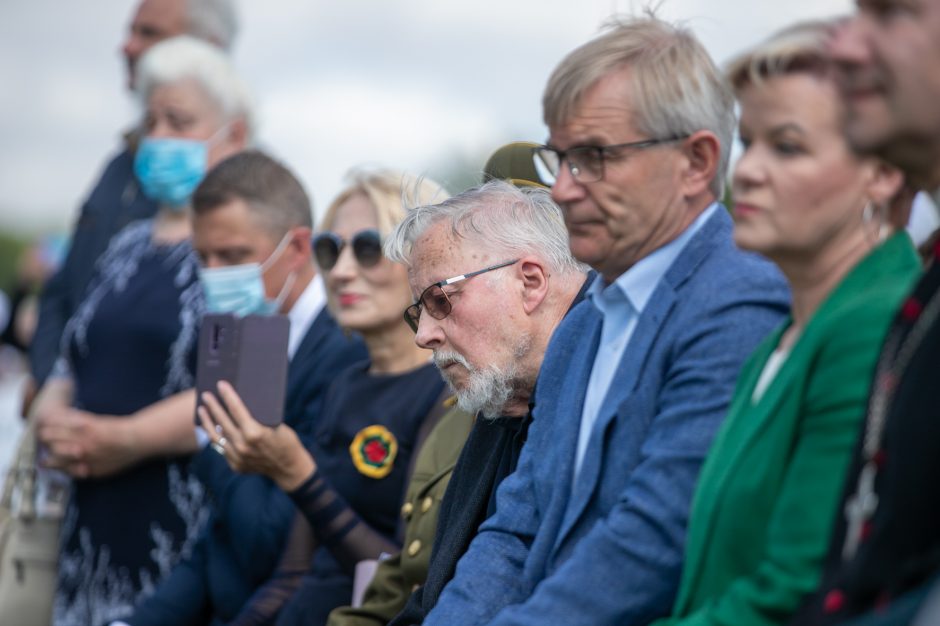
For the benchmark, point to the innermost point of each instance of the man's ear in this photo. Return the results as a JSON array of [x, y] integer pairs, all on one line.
[[703, 151], [299, 247], [534, 276]]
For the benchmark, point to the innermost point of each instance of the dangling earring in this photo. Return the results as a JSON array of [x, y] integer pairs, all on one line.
[[870, 214]]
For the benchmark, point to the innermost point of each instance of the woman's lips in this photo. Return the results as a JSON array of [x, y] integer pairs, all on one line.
[[349, 299], [742, 209]]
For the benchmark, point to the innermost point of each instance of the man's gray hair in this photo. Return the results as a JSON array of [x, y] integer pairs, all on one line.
[[185, 57], [495, 216], [212, 20], [676, 89]]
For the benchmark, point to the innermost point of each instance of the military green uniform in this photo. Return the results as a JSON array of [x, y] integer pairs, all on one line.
[[399, 575]]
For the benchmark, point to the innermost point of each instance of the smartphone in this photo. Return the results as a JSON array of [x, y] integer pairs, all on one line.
[[250, 353]]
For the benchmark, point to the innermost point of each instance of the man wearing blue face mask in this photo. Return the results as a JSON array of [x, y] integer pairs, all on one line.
[[251, 230], [240, 289]]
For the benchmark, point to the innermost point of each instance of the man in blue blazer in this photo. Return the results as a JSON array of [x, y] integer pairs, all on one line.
[[250, 209], [591, 526]]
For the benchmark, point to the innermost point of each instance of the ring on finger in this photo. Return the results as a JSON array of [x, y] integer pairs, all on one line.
[[218, 447]]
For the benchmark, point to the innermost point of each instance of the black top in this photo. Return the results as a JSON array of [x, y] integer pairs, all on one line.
[[130, 343], [362, 445], [114, 203], [900, 545]]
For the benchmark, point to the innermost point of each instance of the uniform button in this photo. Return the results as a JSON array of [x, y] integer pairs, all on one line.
[[406, 509], [414, 547], [426, 504]]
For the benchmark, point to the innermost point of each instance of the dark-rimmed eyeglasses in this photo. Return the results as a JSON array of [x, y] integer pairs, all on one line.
[[366, 246], [586, 163], [435, 301]]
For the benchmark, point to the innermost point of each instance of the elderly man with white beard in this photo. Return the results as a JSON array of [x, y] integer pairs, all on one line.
[[493, 276]]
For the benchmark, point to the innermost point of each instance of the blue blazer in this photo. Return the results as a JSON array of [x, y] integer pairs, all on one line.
[[608, 550], [251, 516]]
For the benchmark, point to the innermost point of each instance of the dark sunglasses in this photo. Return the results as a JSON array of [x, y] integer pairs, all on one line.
[[366, 246], [434, 299]]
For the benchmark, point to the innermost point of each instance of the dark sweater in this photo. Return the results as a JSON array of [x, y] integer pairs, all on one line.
[[490, 454]]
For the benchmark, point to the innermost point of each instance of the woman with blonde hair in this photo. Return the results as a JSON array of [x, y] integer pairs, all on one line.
[[767, 494], [348, 476]]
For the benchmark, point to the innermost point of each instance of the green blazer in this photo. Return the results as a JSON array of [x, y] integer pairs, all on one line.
[[766, 498]]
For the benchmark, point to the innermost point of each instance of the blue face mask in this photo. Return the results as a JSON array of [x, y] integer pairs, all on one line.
[[170, 169], [239, 289]]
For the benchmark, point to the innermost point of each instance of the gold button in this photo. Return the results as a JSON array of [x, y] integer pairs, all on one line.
[[426, 504], [406, 509], [414, 547]]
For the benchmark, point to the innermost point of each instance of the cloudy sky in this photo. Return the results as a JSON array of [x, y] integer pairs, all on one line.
[[431, 86]]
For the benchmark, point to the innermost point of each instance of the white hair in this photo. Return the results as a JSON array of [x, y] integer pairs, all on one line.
[[186, 57], [495, 216], [676, 89], [212, 20]]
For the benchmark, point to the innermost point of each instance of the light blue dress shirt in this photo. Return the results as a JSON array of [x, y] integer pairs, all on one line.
[[621, 304]]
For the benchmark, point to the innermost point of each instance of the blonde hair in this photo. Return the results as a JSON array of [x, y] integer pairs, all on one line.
[[797, 48], [676, 89], [389, 192]]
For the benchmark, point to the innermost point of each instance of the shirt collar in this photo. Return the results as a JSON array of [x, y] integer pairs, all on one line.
[[305, 310], [639, 282]]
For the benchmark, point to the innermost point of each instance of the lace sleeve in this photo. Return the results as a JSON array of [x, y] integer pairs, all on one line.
[[265, 603], [337, 526]]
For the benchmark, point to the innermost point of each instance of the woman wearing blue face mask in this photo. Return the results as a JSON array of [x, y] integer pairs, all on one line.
[[117, 416], [347, 479]]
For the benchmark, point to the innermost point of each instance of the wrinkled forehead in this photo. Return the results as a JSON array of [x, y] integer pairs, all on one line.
[[439, 254]]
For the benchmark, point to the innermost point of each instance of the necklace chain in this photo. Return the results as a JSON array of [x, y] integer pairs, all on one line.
[[863, 503]]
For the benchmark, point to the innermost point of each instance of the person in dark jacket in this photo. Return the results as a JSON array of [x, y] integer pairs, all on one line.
[[884, 552], [518, 239], [396, 577], [116, 198], [244, 209]]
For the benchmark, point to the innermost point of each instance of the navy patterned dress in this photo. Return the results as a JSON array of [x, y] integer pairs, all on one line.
[[130, 343]]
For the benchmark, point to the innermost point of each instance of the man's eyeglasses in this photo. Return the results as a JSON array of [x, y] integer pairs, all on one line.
[[586, 163], [435, 301], [366, 246]]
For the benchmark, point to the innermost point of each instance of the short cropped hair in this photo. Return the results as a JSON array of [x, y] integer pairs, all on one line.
[[676, 89], [801, 47], [498, 217], [212, 20], [272, 193], [185, 57], [388, 191]]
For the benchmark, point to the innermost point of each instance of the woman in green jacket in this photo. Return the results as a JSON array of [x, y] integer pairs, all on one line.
[[767, 493]]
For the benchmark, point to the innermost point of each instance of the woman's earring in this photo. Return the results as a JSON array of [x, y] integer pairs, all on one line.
[[874, 220]]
